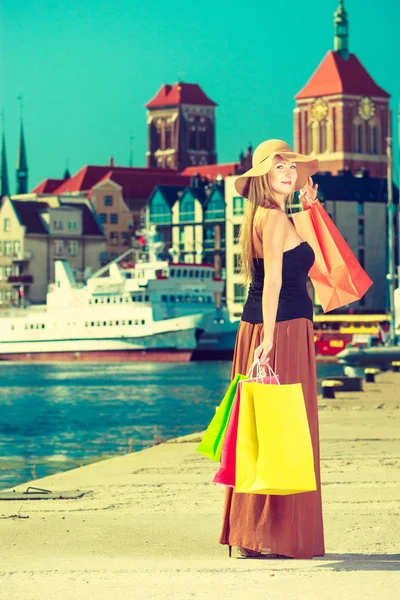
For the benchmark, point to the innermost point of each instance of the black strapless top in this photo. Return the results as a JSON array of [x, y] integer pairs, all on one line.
[[294, 300]]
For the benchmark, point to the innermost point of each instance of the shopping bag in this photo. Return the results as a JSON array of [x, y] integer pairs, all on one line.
[[274, 453], [227, 471], [211, 444], [337, 276]]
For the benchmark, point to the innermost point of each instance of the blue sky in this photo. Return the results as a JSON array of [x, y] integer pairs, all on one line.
[[87, 67]]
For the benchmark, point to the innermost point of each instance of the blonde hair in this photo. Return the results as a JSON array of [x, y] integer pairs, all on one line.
[[259, 194]]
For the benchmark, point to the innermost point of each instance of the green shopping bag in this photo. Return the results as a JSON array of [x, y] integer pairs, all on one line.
[[211, 444]]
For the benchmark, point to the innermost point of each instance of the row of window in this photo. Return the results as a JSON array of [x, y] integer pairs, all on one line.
[[120, 299], [187, 299], [8, 270], [60, 225], [65, 247], [189, 273], [10, 247], [115, 323], [366, 137], [108, 218]]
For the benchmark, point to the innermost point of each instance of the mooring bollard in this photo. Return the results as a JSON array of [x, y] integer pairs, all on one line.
[[329, 386], [370, 375], [396, 366]]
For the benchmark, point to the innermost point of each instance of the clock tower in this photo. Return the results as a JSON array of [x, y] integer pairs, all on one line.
[[342, 116]]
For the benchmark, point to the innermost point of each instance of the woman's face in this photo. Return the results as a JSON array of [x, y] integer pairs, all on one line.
[[282, 176]]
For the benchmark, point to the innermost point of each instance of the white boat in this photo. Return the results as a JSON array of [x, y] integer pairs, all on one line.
[[149, 310]]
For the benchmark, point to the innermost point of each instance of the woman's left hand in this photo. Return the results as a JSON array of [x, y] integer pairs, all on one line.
[[308, 194]]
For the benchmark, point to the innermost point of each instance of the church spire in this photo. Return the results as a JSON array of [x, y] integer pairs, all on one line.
[[4, 188], [22, 163], [341, 27]]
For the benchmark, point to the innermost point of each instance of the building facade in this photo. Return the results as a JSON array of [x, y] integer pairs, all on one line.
[[34, 234], [181, 127]]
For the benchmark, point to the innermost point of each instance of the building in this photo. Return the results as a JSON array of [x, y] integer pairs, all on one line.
[[34, 233], [119, 195], [191, 222], [236, 293], [181, 127], [342, 116]]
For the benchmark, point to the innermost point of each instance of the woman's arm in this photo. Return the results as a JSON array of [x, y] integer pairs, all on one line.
[[273, 236]]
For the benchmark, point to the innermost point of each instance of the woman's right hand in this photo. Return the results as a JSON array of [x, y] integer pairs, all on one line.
[[262, 351]]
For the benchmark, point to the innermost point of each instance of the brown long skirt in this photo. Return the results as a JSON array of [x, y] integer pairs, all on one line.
[[288, 525]]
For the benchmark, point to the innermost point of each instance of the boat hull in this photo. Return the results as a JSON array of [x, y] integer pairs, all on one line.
[[102, 356]]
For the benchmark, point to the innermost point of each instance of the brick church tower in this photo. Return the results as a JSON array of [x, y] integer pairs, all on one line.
[[342, 116], [181, 127]]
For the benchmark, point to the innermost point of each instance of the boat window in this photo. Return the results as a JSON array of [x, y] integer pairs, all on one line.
[[196, 274], [110, 323], [172, 298], [121, 300], [104, 323], [180, 298], [146, 298], [95, 300], [98, 323], [117, 322], [143, 322], [184, 273], [187, 299], [200, 299], [114, 300], [133, 298], [178, 273], [164, 298], [108, 300], [172, 273], [129, 322], [92, 323]]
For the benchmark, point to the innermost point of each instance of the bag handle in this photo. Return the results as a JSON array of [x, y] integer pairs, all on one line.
[[261, 371]]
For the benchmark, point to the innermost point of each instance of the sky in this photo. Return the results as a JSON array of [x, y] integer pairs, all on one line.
[[86, 68]]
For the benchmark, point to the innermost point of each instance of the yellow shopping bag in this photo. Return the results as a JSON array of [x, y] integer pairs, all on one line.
[[274, 453]]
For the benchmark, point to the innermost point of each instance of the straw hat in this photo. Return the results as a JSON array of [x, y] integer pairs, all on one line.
[[262, 162]]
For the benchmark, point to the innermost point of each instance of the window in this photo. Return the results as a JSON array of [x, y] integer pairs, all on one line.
[[186, 208], [7, 248], [209, 237], [215, 209], [58, 225], [181, 238], [239, 293], [8, 271], [108, 200], [358, 136], [237, 263], [159, 210], [73, 247], [374, 142], [17, 248], [236, 234], [58, 247], [7, 224], [238, 206], [72, 225], [114, 218], [114, 238], [103, 218], [126, 238]]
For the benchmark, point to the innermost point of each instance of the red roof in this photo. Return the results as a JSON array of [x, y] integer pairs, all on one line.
[[47, 186], [212, 171], [88, 176], [335, 75], [180, 93], [140, 184]]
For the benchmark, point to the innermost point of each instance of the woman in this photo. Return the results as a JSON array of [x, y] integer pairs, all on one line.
[[277, 328]]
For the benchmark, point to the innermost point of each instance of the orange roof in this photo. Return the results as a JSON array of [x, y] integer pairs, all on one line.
[[140, 184], [180, 93], [47, 186], [335, 75], [212, 171]]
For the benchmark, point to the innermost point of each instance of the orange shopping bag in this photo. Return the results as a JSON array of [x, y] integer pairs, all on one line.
[[337, 276]]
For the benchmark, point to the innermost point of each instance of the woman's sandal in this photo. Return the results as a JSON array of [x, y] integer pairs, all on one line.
[[247, 553]]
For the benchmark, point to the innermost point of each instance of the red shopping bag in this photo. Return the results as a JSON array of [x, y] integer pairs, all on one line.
[[226, 474], [337, 276]]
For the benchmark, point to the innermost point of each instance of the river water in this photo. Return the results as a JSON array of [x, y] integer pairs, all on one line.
[[55, 417]]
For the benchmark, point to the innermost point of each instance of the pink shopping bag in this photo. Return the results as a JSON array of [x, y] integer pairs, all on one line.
[[226, 474]]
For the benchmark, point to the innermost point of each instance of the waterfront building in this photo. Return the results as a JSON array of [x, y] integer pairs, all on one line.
[[119, 196], [34, 233]]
